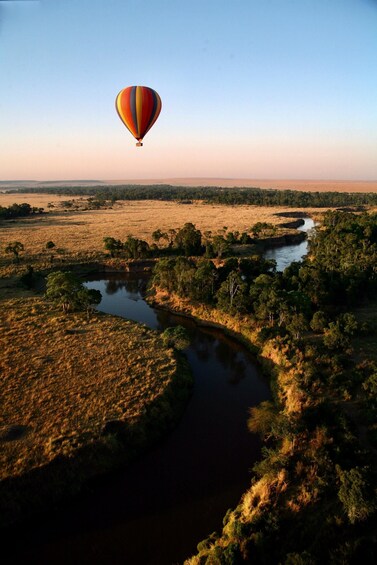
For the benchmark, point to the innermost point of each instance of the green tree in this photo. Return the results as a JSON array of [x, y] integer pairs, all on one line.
[[135, 248], [348, 323], [114, 246], [205, 278], [220, 245], [335, 338], [67, 291], [355, 494], [262, 228], [297, 325], [319, 321], [262, 419], [87, 298], [231, 295], [157, 235], [164, 274], [50, 245], [268, 305], [189, 239], [184, 271]]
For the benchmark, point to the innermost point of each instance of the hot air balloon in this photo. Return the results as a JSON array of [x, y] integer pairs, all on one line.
[[138, 107]]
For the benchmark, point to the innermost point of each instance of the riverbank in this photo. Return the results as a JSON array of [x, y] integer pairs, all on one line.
[[171, 488], [79, 398], [310, 431]]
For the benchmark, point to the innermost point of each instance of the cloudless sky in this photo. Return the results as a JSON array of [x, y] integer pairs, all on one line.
[[249, 88]]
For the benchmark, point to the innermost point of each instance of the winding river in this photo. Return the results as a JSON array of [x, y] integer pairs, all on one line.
[[285, 255], [158, 509]]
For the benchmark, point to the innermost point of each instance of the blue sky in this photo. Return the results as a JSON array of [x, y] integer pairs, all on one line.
[[249, 88]]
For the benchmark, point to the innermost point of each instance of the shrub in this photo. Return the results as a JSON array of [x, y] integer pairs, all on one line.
[[176, 337]]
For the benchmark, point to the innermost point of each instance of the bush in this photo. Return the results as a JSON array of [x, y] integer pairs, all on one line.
[[176, 337]]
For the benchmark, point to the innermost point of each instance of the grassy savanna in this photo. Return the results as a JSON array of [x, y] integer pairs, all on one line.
[[78, 395], [83, 231], [64, 378], [34, 199]]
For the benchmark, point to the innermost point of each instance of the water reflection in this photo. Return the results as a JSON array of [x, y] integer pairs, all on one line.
[[158, 509], [204, 463], [285, 255]]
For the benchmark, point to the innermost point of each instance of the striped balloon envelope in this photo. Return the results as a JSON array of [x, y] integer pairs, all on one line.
[[138, 107]]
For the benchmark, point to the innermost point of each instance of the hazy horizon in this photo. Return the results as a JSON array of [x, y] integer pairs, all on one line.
[[283, 184]]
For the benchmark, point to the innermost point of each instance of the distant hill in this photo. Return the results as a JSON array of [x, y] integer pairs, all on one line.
[[36, 183]]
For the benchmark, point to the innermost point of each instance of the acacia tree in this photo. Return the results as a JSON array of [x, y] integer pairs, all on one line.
[[87, 298], [15, 247], [297, 324], [319, 321], [263, 419]]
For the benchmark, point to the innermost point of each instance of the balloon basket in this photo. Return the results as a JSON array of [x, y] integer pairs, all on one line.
[[139, 144]]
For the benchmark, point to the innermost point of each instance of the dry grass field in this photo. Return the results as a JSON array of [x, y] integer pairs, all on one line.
[[37, 200], [64, 377], [83, 231]]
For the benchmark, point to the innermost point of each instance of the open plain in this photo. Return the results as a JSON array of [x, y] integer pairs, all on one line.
[[78, 230]]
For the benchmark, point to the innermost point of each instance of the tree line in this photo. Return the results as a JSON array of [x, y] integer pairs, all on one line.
[[218, 195], [18, 211], [188, 241]]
